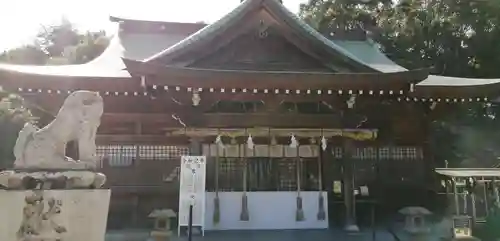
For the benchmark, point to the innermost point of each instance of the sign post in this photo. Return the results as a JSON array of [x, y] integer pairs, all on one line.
[[192, 194]]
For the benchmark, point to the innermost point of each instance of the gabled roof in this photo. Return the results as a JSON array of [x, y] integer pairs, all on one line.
[[142, 42], [365, 62]]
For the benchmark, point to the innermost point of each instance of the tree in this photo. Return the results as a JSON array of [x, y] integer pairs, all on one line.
[[13, 116], [27, 54], [456, 37], [57, 45], [90, 46], [54, 40]]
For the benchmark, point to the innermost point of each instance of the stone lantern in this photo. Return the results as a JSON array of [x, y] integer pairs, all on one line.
[[415, 218], [161, 230]]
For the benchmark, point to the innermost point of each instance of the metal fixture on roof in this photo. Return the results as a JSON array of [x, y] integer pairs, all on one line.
[[263, 33], [433, 105], [351, 101]]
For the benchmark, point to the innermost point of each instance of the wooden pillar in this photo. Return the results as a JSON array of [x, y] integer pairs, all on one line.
[[135, 212], [429, 159], [455, 196], [195, 146], [350, 119], [348, 185]]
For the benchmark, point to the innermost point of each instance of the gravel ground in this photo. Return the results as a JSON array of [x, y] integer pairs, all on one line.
[[282, 235]]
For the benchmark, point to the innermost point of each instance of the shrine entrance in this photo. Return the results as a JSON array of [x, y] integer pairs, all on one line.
[[381, 178], [358, 176]]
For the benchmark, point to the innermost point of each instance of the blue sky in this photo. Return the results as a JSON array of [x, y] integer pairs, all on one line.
[[21, 19]]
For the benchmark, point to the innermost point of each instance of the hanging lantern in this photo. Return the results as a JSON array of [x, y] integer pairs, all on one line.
[[433, 106], [293, 142], [351, 101], [324, 143], [218, 141], [312, 141], [196, 98], [274, 142], [250, 143]]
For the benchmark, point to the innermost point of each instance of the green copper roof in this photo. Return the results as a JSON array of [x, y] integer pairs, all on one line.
[[369, 53]]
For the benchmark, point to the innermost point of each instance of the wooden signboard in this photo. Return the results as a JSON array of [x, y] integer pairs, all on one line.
[[192, 191]]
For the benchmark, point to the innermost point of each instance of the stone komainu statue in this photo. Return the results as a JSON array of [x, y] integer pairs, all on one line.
[[77, 120]]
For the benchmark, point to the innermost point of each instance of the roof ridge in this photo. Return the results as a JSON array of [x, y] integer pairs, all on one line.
[[120, 19]]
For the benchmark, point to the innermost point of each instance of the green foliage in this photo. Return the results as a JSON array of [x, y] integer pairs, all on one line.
[[58, 45], [28, 54], [456, 37], [490, 230], [13, 116]]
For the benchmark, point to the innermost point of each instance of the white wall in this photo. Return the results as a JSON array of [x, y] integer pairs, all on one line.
[[268, 210]]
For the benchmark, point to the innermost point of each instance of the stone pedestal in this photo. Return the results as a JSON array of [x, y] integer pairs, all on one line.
[[50, 215], [53, 206]]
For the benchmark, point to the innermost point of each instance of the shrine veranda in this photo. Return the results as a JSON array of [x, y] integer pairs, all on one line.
[[299, 130]]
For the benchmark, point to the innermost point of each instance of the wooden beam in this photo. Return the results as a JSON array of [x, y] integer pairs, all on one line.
[[228, 79], [12, 80], [272, 120], [141, 139], [285, 120], [137, 117]]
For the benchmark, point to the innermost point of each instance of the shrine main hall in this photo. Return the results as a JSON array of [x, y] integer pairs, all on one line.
[[301, 129]]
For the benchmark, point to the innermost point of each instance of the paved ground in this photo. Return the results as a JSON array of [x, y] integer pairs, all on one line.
[[284, 235]]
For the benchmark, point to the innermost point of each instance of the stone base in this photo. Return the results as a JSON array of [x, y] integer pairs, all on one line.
[[351, 228], [51, 215], [51, 179]]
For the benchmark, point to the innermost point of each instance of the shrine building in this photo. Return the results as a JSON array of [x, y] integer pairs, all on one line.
[[281, 111]]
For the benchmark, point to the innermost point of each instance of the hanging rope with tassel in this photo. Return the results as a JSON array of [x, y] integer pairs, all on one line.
[[244, 215], [218, 145], [299, 214], [321, 200]]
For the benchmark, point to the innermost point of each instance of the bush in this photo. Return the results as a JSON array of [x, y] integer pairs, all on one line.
[[13, 116]]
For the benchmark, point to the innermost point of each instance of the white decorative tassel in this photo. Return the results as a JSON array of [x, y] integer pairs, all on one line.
[[218, 141], [324, 143], [293, 142], [250, 144]]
